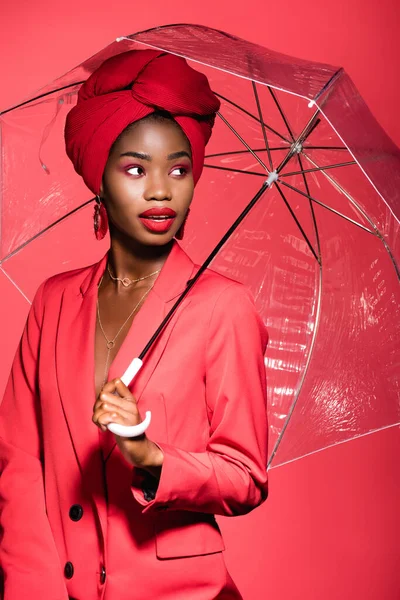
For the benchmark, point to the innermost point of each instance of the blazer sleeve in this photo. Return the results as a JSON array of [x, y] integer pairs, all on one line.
[[230, 477], [28, 555]]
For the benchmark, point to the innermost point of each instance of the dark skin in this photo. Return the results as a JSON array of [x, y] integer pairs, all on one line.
[[160, 176]]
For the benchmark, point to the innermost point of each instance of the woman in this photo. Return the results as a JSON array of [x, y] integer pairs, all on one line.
[[86, 514]]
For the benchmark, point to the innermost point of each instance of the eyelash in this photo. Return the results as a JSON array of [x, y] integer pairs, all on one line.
[[184, 169]]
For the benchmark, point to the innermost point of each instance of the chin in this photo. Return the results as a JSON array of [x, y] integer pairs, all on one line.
[[158, 240], [153, 239], [143, 237]]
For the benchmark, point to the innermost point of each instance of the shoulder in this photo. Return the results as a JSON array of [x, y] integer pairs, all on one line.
[[54, 286], [220, 290], [226, 304], [231, 314], [67, 279]]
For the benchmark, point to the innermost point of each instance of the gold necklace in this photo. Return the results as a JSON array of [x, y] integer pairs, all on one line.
[[126, 281], [111, 343]]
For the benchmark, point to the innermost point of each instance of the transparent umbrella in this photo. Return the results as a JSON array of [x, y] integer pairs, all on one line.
[[318, 243]]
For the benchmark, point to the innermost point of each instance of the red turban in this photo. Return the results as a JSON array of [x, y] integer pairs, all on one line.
[[126, 88]]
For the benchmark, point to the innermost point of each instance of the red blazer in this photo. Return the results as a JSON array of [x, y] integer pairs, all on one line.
[[75, 518]]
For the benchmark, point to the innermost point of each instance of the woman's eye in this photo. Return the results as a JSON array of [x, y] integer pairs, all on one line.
[[179, 171], [135, 171]]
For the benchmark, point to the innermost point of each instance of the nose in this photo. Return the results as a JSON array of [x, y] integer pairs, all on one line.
[[157, 188]]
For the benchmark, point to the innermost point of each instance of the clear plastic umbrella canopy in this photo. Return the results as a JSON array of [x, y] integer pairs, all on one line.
[[318, 249]]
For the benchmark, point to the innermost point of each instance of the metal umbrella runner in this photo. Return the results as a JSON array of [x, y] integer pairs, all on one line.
[[311, 183]]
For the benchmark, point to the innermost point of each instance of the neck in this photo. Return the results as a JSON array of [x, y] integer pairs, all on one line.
[[129, 259]]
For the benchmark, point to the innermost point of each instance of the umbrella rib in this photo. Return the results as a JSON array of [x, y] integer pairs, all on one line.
[[314, 219], [298, 223], [271, 91], [343, 191], [346, 164], [363, 213], [327, 207], [262, 124], [305, 370], [309, 128], [258, 159], [37, 235], [336, 444], [65, 87], [327, 148], [15, 285], [297, 144], [249, 114], [232, 152], [314, 333], [46, 133], [234, 170]]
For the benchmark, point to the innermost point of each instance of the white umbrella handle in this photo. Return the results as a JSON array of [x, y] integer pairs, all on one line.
[[134, 430]]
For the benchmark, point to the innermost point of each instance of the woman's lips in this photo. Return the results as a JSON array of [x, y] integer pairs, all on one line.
[[158, 225], [158, 219], [158, 211]]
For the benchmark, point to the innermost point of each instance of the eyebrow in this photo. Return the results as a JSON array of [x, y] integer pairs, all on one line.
[[143, 156], [180, 154]]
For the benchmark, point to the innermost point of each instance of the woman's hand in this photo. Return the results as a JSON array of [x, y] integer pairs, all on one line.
[[122, 409]]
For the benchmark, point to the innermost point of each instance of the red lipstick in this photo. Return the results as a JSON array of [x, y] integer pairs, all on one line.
[[158, 211], [158, 219]]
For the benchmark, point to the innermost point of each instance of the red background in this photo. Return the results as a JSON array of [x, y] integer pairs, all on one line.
[[331, 525]]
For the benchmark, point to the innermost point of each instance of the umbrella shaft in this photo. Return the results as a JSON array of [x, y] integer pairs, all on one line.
[[208, 260]]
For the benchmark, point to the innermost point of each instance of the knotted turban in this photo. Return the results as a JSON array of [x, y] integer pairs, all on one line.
[[126, 88]]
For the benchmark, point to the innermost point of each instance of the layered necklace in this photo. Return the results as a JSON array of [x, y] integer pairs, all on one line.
[[125, 282]]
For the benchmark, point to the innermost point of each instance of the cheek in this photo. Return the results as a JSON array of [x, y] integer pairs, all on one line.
[[123, 189], [184, 190]]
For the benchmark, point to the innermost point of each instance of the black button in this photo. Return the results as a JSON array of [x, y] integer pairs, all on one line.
[[102, 574], [149, 487], [148, 494], [76, 512], [69, 570]]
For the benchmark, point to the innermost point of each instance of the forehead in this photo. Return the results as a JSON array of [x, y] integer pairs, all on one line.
[[152, 135]]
